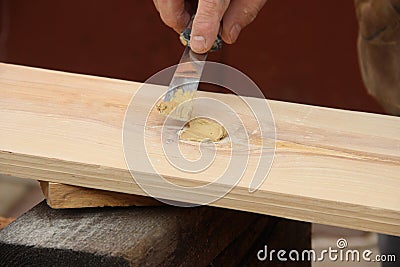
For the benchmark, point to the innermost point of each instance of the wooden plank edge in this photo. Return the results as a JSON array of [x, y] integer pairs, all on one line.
[[64, 196]]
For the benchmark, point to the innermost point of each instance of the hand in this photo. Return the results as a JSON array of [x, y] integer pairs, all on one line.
[[234, 14], [378, 50]]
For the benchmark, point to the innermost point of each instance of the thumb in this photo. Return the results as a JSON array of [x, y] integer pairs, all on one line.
[[206, 24]]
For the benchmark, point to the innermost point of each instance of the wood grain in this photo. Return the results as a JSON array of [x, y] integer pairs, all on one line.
[[331, 166], [129, 236], [63, 196]]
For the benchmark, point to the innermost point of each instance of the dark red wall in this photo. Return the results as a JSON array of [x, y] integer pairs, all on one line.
[[299, 51]]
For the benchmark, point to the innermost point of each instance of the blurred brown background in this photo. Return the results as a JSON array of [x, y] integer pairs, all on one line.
[[297, 51]]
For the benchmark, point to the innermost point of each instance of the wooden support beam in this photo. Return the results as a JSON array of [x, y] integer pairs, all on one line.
[[5, 221], [63, 196], [145, 236], [331, 166]]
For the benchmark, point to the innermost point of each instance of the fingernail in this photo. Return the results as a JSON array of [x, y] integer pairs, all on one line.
[[235, 31], [198, 43]]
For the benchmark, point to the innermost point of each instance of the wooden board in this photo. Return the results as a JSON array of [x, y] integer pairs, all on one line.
[[134, 236], [63, 196], [331, 166], [144, 236], [5, 221]]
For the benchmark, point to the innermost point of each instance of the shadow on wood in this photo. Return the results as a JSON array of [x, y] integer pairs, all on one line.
[[63, 196], [142, 236]]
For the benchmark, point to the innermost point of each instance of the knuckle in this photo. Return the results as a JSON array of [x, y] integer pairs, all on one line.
[[250, 13], [203, 26], [213, 8], [172, 22], [209, 5], [168, 20], [202, 18]]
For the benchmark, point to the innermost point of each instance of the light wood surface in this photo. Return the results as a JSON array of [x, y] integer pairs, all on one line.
[[63, 196], [331, 166]]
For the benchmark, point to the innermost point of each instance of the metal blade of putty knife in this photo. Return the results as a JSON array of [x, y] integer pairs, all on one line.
[[184, 85], [178, 102]]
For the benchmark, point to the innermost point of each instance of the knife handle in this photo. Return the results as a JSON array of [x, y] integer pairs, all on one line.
[[185, 37]]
